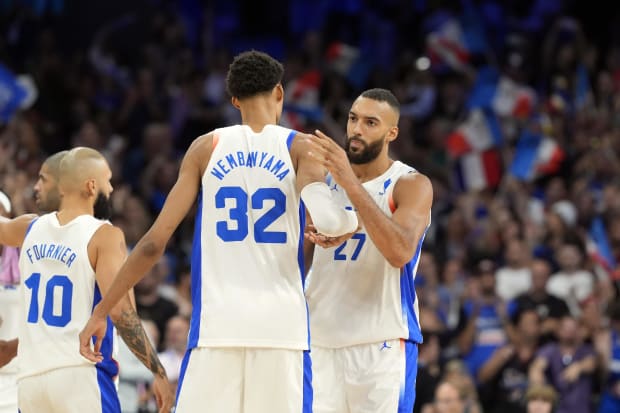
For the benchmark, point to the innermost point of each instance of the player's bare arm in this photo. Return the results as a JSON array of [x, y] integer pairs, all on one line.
[[13, 231], [398, 236], [152, 245], [109, 250]]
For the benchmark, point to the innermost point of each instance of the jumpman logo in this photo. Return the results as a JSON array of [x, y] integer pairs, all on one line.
[[385, 186], [384, 345]]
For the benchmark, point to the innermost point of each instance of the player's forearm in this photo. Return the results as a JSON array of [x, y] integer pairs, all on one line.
[[139, 262], [131, 331], [388, 237]]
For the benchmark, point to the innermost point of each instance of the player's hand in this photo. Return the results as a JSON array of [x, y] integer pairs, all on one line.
[[163, 394], [96, 327], [333, 158], [324, 241], [8, 350]]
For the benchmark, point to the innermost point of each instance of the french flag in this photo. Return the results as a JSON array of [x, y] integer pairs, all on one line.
[[480, 132], [16, 92], [349, 62], [302, 97], [598, 246], [535, 156], [446, 45], [501, 94], [479, 170]]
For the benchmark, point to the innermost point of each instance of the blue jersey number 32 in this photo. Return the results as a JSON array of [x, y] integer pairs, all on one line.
[[239, 214]]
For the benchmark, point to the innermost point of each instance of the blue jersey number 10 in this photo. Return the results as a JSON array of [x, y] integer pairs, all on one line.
[[66, 292], [239, 214]]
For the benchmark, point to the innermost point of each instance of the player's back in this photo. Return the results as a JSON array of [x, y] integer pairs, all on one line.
[[59, 291], [246, 263]]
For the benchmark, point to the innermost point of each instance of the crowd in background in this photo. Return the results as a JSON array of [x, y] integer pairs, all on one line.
[[511, 108]]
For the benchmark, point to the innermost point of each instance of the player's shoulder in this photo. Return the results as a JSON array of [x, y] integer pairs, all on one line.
[[107, 232], [412, 180]]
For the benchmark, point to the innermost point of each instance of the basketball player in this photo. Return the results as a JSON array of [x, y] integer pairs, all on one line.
[[46, 194], [363, 309], [248, 331], [68, 260], [47, 200]]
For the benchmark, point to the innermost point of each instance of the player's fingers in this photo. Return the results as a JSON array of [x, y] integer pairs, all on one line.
[[323, 137], [98, 342]]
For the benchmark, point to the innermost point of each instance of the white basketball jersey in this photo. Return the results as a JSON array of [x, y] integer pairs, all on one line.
[[59, 292], [247, 260], [354, 295]]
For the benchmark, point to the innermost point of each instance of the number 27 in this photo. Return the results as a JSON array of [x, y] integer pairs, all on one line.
[[361, 239]]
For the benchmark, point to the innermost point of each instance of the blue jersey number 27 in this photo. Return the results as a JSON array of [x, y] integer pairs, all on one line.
[[360, 237], [239, 214], [65, 286]]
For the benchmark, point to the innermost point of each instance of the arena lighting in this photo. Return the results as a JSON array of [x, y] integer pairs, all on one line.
[[422, 63]]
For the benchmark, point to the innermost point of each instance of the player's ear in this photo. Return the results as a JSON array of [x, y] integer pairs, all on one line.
[[278, 91], [392, 133], [91, 187], [235, 102]]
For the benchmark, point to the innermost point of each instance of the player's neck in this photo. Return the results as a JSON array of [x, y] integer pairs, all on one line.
[[368, 171], [71, 208], [256, 113]]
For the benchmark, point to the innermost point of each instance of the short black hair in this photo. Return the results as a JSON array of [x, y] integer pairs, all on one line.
[[252, 73], [382, 95]]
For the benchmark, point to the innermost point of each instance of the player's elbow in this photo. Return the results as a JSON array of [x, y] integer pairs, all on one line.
[[152, 248], [398, 260]]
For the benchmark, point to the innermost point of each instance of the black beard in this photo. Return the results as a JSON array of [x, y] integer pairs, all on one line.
[[103, 207], [367, 154]]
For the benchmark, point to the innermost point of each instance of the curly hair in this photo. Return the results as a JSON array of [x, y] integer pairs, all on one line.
[[252, 73]]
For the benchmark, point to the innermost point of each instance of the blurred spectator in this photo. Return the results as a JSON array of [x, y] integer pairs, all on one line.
[[175, 345], [609, 350], [150, 303], [549, 308], [486, 319], [540, 399], [572, 282], [568, 366], [504, 377], [515, 277]]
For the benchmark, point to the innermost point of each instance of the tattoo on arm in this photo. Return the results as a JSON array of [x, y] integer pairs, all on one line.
[[130, 329]]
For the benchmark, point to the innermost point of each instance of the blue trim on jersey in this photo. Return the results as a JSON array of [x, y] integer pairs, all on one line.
[[30, 226], [408, 297], [289, 139], [300, 244], [184, 364], [109, 366], [301, 261], [194, 327], [308, 394], [407, 391], [109, 396]]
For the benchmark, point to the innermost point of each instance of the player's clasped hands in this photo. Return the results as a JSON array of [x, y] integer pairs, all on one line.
[[311, 234]]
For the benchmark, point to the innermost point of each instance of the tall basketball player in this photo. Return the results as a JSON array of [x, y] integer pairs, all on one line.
[[249, 330], [363, 309], [67, 260]]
